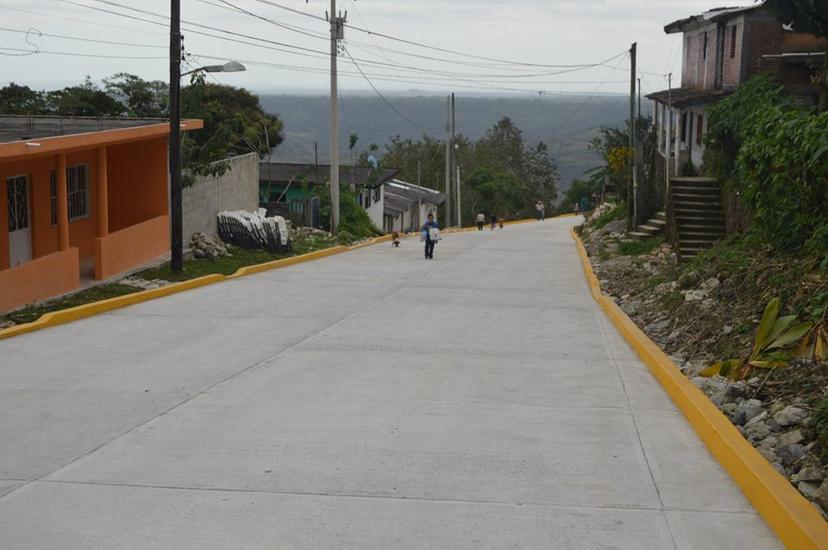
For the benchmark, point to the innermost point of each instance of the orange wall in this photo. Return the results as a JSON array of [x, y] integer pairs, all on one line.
[[44, 236], [122, 250], [137, 182], [4, 225], [39, 279]]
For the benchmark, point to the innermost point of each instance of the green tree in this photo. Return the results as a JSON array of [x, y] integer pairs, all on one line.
[[142, 98], [807, 16], [234, 123], [87, 99], [21, 100]]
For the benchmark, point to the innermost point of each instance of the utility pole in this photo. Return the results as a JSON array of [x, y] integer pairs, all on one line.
[[459, 211], [448, 162], [454, 152], [631, 223], [176, 216], [337, 33]]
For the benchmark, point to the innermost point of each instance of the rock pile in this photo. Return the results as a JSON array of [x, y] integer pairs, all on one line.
[[776, 429], [143, 284], [205, 247]]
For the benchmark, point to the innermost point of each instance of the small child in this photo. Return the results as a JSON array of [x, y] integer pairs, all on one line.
[[500, 223], [395, 239]]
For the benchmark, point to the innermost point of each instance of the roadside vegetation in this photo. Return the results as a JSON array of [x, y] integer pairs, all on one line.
[[746, 320]]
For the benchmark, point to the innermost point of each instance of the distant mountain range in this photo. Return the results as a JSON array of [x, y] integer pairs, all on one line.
[[565, 123]]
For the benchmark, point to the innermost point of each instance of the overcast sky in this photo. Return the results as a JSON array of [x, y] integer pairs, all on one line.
[[549, 32]]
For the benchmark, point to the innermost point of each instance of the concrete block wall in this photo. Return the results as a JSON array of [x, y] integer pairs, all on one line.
[[237, 189]]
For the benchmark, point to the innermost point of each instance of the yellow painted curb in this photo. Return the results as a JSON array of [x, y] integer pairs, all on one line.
[[790, 515]]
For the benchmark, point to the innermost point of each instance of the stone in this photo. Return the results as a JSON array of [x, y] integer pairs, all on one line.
[[714, 388], [727, 329], [747, 410], [729, 408], [768, 454], [791, 438], [808, 488], [811, 473], [199, 254], [711, 283], [789, 454], [758, 430], [790, 416], [821, 496], [694, 295], [659, 326]]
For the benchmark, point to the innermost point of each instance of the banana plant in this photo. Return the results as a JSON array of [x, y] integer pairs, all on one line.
[[775, 338]]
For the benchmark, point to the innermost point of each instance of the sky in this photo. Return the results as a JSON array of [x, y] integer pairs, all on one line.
[[534, 36]]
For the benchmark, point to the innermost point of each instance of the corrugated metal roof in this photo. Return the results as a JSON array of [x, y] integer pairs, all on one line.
[[685, 97], [715, 14]]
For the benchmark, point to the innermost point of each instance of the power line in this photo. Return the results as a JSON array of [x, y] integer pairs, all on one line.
[[436, 48], [382, 97], [92, 40], [75, 20], [77, 54]]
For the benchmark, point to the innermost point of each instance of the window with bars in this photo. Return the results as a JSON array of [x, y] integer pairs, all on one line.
[[732, 41], [18, 202], [77, 192], [699, 129]]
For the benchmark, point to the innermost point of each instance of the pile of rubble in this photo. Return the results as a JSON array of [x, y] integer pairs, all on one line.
[[205, 247], [777, 430]]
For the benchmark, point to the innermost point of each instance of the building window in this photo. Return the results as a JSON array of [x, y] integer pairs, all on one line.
[[17, 188], [704, 47], [377, 196], [699, 129], [77, 192], [733, 42], [367, 198], [684, 127]]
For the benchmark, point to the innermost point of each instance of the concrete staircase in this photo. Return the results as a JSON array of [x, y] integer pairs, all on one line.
[[698, 213], [652, 227]]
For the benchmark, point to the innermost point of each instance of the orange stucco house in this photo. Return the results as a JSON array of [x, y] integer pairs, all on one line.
[[79, 195]]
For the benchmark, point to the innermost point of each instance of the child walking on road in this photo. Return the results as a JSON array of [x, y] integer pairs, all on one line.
[[430, 233]]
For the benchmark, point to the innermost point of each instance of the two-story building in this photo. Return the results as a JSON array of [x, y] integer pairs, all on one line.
[[723, 48]]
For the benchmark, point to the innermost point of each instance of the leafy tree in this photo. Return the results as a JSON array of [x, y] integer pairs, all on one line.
[[578, 189], [21, 100], [234, 123], [497, 192], [806, 16], [775, 157], [141, 98], [86, 99]]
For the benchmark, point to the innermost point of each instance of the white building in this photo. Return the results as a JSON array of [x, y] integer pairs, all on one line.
[[406, 206]]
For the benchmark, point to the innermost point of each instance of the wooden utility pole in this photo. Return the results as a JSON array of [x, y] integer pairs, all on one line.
[[176, 216], [633, 195]]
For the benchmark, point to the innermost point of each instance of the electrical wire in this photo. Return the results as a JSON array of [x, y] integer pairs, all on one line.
[[75, 20], [78, 54], [382, 97], [92, 40]]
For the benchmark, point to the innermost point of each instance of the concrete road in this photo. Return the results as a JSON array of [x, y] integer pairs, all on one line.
[[368, 400]]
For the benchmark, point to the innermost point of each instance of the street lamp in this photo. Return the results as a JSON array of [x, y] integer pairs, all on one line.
[[229, 67], [176, 214]]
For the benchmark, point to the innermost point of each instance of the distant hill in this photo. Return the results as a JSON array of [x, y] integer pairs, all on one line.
[[565, 123]]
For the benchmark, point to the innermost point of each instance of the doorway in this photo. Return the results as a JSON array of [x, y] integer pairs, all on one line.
[[20, 232]]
